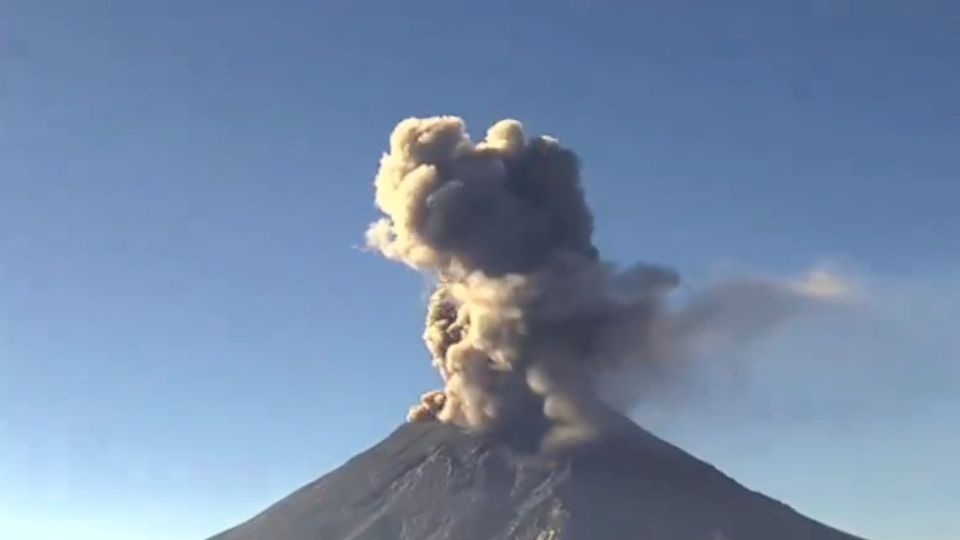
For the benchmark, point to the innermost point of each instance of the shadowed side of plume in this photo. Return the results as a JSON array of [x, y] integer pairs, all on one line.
[[430, 481]]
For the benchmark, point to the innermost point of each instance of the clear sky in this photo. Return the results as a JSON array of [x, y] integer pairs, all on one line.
[[188, 330]]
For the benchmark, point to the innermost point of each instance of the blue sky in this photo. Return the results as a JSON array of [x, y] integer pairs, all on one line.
[[188, 330]]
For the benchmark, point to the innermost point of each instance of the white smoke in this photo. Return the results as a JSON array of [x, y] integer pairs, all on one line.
[[526, 321]]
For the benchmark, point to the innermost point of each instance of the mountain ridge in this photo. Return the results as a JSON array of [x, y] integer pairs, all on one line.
[[431, 481]]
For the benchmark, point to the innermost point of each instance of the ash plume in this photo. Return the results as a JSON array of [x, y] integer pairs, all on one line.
[[526, 320]]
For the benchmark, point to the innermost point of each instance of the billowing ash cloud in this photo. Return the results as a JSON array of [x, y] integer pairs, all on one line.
[[526, 320]]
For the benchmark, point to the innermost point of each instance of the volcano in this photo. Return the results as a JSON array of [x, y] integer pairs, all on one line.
[[431, 481]]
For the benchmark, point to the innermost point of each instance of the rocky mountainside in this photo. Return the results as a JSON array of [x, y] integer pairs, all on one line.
[[430, 481]]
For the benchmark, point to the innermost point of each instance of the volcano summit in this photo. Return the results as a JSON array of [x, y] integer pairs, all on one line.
[[431, 481]]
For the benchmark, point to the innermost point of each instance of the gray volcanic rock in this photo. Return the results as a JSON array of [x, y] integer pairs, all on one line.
[[430, 481]]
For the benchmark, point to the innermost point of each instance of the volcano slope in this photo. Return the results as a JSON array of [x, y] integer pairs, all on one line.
[[431, 481]]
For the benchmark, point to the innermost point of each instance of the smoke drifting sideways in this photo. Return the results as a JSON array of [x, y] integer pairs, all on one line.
[[526, 323]]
